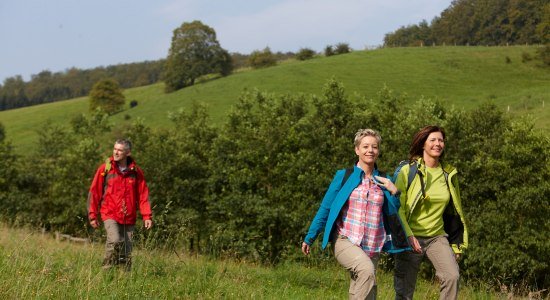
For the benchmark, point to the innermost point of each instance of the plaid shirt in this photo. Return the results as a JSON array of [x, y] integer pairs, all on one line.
[[361, 220]]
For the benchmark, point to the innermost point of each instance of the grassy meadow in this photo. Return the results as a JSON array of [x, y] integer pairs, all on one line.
[[462, 77], [36, 266]]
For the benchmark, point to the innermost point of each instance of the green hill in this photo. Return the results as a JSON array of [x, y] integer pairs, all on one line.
[[459, 76]]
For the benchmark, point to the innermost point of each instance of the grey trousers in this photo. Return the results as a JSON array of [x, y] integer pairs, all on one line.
[[440, 253], [118, 247], [362, 269]]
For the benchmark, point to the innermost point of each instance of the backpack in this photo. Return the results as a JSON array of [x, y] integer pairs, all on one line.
[[413, 170], [105, 172]]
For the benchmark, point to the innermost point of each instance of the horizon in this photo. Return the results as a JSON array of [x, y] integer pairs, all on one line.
[[59, 36]]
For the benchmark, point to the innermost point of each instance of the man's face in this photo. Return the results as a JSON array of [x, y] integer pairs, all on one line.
[[120, 153]]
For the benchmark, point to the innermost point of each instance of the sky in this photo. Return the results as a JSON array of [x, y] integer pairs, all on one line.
[[55, 35]]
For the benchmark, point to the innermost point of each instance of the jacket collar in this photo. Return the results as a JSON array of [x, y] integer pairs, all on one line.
[[130, 164], [447, 168]]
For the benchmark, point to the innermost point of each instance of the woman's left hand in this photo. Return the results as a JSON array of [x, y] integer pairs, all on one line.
[[387, 184]]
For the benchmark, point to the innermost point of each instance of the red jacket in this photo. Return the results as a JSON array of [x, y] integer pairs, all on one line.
[[124, 192]]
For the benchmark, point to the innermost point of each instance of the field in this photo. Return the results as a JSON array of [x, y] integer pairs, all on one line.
[[36, 266], [463, 77]]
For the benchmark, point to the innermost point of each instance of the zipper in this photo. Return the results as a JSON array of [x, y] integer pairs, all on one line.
[[414, 205]]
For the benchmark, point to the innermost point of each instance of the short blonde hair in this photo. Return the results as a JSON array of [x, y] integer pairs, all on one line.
[[361, 133]]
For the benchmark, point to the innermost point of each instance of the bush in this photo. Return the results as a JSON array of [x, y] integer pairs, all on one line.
[[305, 53], [329, 51], [342, 48], [262, 59], [250, 187]]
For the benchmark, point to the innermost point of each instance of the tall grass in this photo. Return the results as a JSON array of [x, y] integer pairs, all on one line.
[[36, 266]]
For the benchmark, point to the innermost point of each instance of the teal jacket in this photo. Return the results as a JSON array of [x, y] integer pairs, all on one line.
[[336, 197], [453, 217]]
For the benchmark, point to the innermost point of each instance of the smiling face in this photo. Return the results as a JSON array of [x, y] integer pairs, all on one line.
[[434, 145], [367, 151], [120, 153]]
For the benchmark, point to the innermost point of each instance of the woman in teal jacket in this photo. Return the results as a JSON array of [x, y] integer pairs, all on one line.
[[358, 213], [435, 225]]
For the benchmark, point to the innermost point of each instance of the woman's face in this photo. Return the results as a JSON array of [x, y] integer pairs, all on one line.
[[367, 151], [434, 145]]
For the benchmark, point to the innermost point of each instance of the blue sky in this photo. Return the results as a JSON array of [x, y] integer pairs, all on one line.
[[55, 35]]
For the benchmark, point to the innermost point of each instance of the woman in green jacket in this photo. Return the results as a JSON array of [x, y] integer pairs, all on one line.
[[431, 206]]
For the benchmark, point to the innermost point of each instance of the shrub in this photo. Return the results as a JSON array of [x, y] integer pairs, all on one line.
[[329, 51], [262, 59], [342, 48], [305, 53]]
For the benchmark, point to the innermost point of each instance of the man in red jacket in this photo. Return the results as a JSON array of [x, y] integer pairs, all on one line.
[[116, 192]]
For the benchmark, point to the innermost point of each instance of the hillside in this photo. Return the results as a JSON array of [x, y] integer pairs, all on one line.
[[459, 76]]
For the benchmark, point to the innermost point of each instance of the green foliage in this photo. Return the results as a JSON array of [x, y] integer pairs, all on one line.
[[46, 86], [262, 59], [480, 22], [194, 52], [329, 51], [249, 188], [342, 48], [107, 95], [459, 76], [412, 35], [176, 167], [305, 53]]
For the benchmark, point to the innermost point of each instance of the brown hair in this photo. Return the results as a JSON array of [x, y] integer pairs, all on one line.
[[417, 145]]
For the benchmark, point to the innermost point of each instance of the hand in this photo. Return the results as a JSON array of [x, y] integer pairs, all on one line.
[[148, 224], [458, 256], [415, 244], [305, 248], [387, 184], [94, 224]]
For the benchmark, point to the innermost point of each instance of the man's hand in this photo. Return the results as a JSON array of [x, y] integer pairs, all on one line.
[[148, 224], [94, 224]]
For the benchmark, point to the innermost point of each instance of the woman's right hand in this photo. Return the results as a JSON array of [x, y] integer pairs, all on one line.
[[305, 248], [415, 244]]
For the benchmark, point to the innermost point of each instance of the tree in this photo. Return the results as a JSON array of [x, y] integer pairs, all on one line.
[[305, 53], [342, 48], [107, 95], [262, 59], [194, 52], [329, 51]]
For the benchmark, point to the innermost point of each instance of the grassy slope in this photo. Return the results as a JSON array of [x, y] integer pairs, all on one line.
[[34, 266], [460, 76]]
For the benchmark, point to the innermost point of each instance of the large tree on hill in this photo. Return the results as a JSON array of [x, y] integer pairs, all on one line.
[[107, 95], [194, 52]]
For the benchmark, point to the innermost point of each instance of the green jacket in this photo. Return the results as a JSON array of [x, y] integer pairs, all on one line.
[[453, 217]]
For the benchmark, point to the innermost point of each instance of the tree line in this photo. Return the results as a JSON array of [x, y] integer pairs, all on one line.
[[194, 52], [480, 22], [247, 189], [46, 86]]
